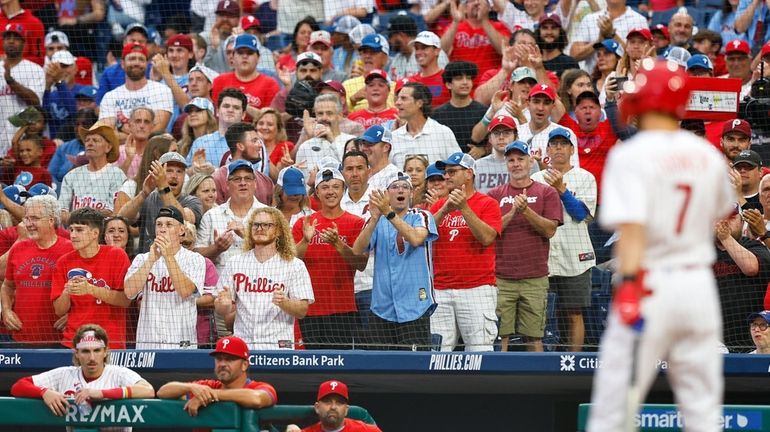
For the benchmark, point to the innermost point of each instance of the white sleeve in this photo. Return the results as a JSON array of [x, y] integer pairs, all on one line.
[[126, 376], [585, 29], [53, 379], [135, 265], [164, 99], [108, 109], [65, 192], [196, 271], [624, 196], [205, 232], [300, 286]]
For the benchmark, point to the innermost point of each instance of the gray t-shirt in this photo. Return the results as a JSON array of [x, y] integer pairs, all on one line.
[[150, 208], [490, 173]]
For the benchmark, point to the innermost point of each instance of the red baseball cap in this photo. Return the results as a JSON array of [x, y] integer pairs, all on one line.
[[374, 73], [663, 30], [737, 45], [131, 47], [641, 31], [15, 28], [551, 16], [736, 125], [229, 8], [180, 40], [765, 50], [234, 346], [543, 89], [249, 21], [85, 71], [333, 387], [334, 85], [502, 120], [400, 84]]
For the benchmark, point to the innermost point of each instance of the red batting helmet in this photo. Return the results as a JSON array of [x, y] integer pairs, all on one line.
[[658, 86]]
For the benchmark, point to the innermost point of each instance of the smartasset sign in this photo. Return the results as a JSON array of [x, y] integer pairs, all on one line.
[[671, 419]]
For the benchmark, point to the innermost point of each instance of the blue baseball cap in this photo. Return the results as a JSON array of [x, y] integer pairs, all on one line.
[[201, 104], [13, 193], [239, 164], [376, 42], [247, 41], [560, 132], [38, 189], [610, 45], [432, 171], [457, 159], [24, 178], [765, 315], [87, 92], [700, 61], [377, 134], [292, 181], [519, 146]]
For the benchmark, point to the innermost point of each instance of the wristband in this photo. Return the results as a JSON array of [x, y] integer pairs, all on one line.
[[630, 278], [764, 236], [165, 190], [390, 215], [117, 393], [486, 120]]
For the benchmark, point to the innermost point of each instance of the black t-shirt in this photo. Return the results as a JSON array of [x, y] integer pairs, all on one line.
[[561, 63], [741, 295], [752, 202], [460, 120]]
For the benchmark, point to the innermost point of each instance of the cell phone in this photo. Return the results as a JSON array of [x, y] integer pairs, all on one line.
[[620, 81]]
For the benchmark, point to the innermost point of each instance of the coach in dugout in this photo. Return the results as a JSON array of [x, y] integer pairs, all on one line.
[[231, 362], [90, 379]]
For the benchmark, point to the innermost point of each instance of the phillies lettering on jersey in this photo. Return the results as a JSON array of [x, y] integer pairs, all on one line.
[[87, 201], [316, 240], [163, 285], [454, 221], [256, 285], [465, 40]]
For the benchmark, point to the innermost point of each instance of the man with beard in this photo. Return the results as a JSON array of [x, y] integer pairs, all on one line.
[[137, 91], [161, 188], [595, 137], [231, 363], [427, 47], [377, 91], [258, 88], [231, 105], [264, 287], [461, 112], [11, 12], [552, 39], [246, 146], [309, 68], [327, 140], [332, 408], [22, 83], [680, 27], [115, 76], [535, 131], [222, 229], [736, 137]]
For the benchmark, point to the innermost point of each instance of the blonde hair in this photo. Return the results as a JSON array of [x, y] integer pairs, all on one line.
[[284, 242], [280, 127]]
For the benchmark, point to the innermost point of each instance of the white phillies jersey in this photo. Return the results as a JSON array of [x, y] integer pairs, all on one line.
[[166, 320], [263, 325], [68, 380], [674, 183]]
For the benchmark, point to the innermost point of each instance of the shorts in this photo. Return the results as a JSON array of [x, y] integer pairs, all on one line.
[[521, 306], [573, 292]]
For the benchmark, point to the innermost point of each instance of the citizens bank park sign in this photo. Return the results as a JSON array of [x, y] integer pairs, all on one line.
[[361, 361]]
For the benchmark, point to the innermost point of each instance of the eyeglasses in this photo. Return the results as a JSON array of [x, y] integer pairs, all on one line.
[[34, 219], [262, 226], [243, 179], [504, 133], [761, 326], [452, 171]]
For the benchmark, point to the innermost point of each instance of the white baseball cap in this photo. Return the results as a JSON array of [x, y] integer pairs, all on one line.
[[63, 57], [427, 38], [328, 174], [57, 36]]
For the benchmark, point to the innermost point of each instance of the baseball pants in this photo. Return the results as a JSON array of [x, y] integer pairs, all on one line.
[[683, 326]]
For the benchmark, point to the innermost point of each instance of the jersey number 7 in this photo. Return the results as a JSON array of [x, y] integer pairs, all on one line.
[[687, 190]]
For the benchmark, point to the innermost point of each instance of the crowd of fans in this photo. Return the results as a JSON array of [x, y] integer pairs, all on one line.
[[331, 174]]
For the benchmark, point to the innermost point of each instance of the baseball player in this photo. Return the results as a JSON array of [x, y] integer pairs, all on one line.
[[169, 277], [332, 408], [231, 363], [270, 284], [663, 192], [91, 379]]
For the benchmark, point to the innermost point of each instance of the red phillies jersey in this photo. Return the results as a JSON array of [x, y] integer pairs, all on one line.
[[30, 268], [106, 270], [259, 91], [473, 45], [250, 384], [34, 37], [593, 147], [459, 260], [330, 274], [278, 151], [367, 119], [435, 84], [350, 426]]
